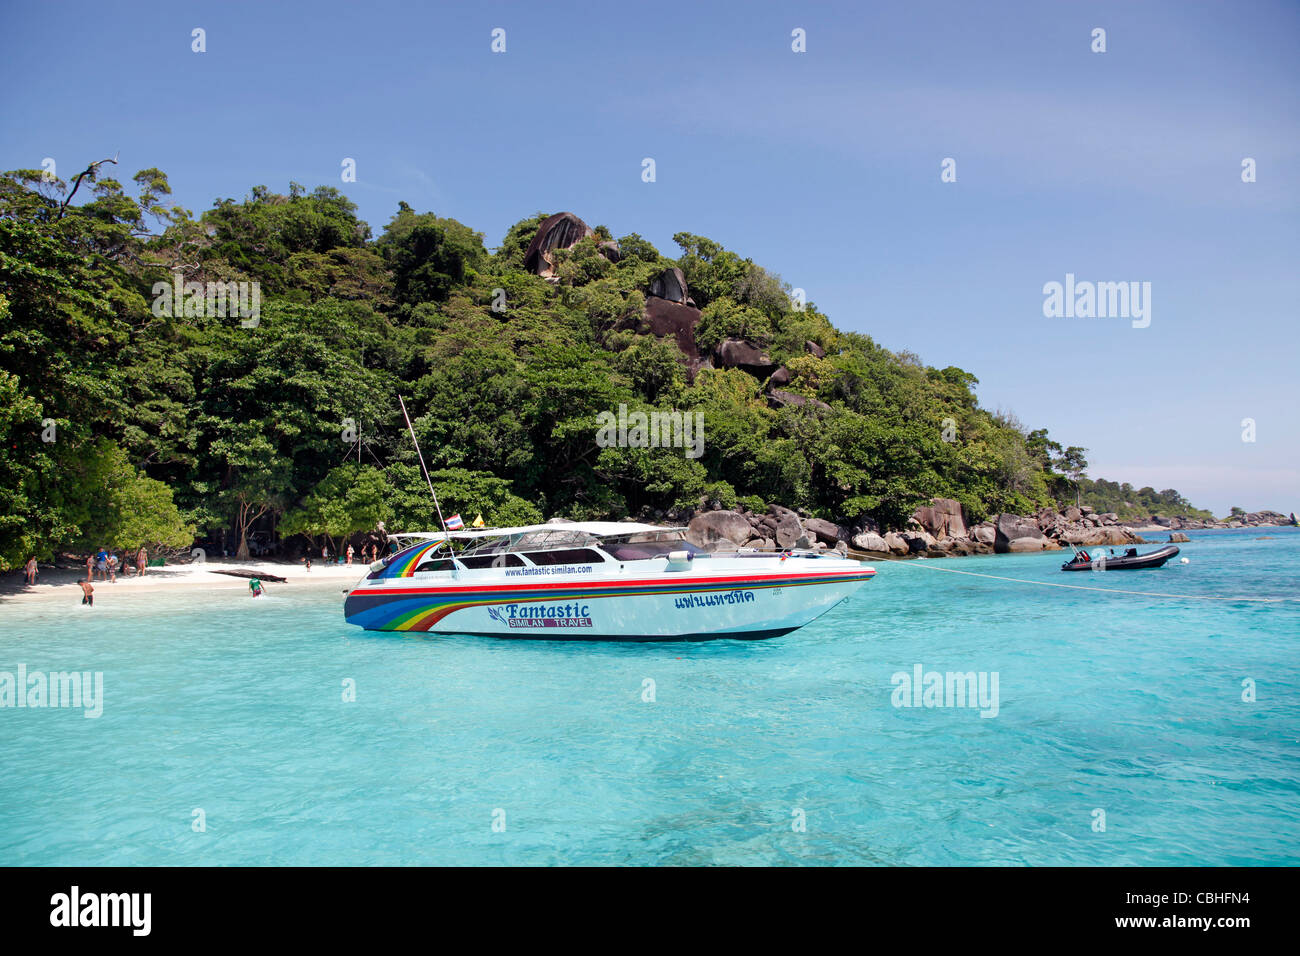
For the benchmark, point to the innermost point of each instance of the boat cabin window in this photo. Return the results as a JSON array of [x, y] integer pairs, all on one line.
[[491, 561], [566, 556], [437, 564]]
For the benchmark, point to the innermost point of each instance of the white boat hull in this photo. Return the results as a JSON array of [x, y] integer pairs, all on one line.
[[736, 597]]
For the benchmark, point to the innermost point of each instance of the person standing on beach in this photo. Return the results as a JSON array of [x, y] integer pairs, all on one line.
[[90, 566], [141, 560], [30, 570], [87, 592], [350, 554], [112, 568]]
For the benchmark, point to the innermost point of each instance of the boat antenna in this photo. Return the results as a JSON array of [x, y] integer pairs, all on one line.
[[423, 468]]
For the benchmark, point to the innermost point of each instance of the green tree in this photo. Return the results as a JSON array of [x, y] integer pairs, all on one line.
[[349, 499]]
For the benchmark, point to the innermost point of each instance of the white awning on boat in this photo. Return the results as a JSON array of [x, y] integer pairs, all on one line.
[[600, 529]]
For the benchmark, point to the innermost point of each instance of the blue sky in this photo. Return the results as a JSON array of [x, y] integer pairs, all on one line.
[[822, 166]]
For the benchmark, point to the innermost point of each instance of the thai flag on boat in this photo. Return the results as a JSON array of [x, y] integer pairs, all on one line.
[[454, 523]]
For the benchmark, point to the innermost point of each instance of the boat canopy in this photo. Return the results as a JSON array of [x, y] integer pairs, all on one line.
[[599, 529]]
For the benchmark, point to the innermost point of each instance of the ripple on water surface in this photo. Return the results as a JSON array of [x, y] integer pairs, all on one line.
[[1125, 704]]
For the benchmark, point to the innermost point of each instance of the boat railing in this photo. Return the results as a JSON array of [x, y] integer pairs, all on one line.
[[744, 552]]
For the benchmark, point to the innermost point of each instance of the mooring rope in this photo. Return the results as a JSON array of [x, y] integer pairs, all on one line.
[[1084, 587]]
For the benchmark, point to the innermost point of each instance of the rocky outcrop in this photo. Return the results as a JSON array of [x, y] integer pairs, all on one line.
[[936, 530], [826, 531], [670, 310], [941, 518], [1093, 535], [563, 230], [1252, 519], [789, 532], [663, 318], [718, 530], [671, 285], [738, 353], [1178, 538], [870, 541], [1014, 534], [897, 543]]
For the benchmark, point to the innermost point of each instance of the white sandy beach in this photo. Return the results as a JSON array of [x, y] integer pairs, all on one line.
[[60, 584]]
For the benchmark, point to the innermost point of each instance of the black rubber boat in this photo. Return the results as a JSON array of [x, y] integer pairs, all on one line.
[[1130, 560]]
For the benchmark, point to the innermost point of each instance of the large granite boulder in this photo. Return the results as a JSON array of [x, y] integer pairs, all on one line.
[[815, 349], [671, 285], [713, 529], [663, 318], [746, 356], [1014, 534], [825, 530], [897, 543], [918, 542], [941, 518], [789, 531], [1039, 543], [563, 230], [1179, 538], [870, 541], [1089, 536]]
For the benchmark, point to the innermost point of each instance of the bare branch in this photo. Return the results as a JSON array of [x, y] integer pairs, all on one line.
[[88, 171]]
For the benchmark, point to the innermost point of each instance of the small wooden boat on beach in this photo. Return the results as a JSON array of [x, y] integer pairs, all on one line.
[[245, 573]]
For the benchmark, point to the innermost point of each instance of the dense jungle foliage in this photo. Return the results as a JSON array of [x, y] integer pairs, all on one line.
[[126, 419]]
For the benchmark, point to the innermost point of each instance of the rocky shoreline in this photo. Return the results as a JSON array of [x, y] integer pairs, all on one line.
[[939, 530]]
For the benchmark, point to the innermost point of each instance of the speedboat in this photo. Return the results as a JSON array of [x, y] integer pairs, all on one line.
[[1130, 560], [607, 581]]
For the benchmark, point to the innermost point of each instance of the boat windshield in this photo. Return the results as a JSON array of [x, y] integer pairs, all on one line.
[[635, 546], [650, 544]]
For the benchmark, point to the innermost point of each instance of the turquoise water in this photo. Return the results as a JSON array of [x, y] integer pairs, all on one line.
[[1126, 704]]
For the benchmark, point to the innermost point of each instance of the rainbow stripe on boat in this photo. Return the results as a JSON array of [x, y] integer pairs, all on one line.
[[419, 609], [404, 563]]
